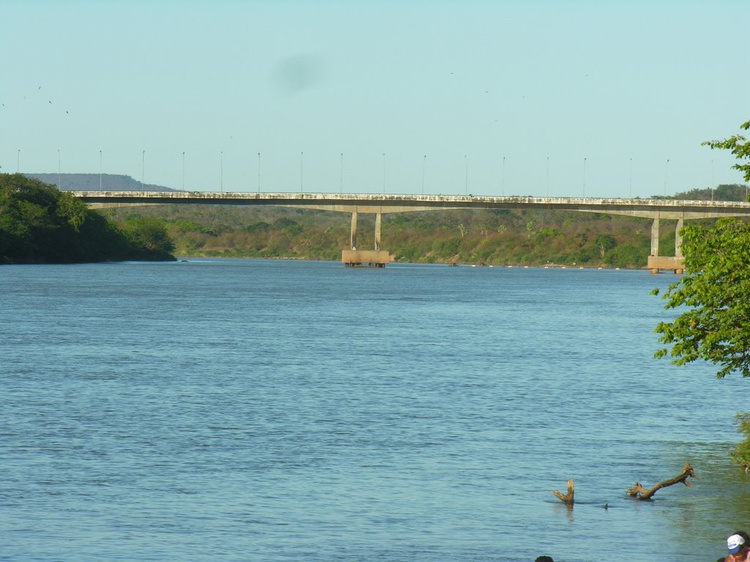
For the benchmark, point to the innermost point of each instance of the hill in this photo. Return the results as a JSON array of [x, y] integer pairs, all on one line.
[[91, 182]]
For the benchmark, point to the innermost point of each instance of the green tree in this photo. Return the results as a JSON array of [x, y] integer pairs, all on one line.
[[715, 295], [150, 236], [41, 224], [715, 326], [605, 242], [737, 145], [741, 453]]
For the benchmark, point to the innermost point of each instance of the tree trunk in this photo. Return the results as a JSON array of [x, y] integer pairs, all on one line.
[[641, 493], [566, 498]]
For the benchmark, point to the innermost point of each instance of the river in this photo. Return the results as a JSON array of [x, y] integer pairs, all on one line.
[[273, 410]]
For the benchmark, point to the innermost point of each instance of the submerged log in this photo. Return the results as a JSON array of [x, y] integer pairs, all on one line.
[[641, 493], [566, 498]]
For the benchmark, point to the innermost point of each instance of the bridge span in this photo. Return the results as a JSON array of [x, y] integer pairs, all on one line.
[[655, 209]]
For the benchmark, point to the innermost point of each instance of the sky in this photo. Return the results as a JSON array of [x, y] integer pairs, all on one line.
[[566, 98]]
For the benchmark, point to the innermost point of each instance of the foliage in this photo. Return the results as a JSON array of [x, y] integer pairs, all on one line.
[[492, 237], [40, 224], [148, 236], [605, 242], [714, 297], [741, 453], [723, 192], [737, 145]]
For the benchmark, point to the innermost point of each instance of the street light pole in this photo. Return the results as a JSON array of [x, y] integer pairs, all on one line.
[[466, 174], [502, 178], [384, 172], [630, 180], [584, 177]]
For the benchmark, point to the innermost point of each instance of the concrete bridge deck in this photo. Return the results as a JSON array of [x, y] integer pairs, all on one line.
[[386, 203], [378, 204]]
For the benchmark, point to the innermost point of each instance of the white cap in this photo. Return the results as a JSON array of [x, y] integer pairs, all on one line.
[[734, 543]]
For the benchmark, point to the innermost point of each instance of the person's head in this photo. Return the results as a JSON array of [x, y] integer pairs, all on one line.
[[738, 543], [544, 559]]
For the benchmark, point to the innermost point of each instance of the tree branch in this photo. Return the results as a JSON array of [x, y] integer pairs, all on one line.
[[641, 493], [566, 498]]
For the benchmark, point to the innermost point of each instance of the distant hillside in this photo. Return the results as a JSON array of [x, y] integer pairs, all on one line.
[[90, 182]]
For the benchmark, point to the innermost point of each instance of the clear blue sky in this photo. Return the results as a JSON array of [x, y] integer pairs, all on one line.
[[567, 98]]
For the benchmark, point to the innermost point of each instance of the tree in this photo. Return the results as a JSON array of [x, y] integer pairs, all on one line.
[[741, 452], [716, 291], [739, 146], [715, 326], [41, 224], [716, 288], [150, 236]]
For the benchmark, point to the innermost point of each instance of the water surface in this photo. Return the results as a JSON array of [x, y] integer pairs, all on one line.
[[269, 410]]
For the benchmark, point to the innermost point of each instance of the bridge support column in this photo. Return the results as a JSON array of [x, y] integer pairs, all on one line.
[[366, 258], [378, 229], [655, 238], [656, 262], [353, 238]]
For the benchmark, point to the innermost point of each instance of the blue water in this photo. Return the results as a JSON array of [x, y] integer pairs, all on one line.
[[269, 410]]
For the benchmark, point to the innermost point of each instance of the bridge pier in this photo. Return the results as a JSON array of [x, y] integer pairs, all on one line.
[[365, 258], [658, 263]]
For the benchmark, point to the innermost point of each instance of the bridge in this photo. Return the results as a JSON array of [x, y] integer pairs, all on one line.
[[655, 209]]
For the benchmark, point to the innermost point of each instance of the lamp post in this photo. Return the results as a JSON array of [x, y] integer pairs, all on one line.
[[384, 172], [59, 182], [100, 170], [466, 174], [221, 176], [424, 164], [502, 178], [666, 165], [630, 180], [301, 170], [584, 177], [341, 178], [547, 176], [143, 169], [183, 170], [259, 172]]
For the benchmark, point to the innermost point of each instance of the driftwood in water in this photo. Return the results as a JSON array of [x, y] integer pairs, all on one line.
[[566, 498], [641, 493]]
